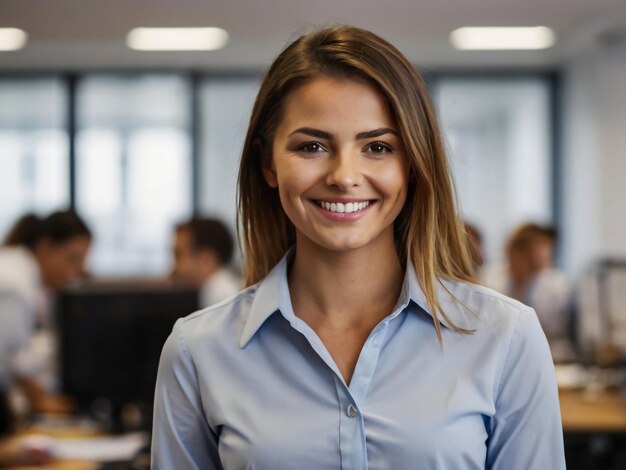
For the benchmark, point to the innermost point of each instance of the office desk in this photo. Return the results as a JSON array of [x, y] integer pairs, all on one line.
[[85, 446], [607, 413], [63, 465]]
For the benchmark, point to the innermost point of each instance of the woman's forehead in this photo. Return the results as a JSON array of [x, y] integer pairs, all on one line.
[[326, 101]]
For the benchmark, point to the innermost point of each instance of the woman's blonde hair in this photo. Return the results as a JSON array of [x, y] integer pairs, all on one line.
[[427, 230]]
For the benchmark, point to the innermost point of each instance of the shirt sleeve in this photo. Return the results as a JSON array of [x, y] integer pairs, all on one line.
[[181, 435], [526, 431]]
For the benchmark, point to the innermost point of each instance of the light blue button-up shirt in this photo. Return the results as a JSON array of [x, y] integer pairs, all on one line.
[[247, 384]]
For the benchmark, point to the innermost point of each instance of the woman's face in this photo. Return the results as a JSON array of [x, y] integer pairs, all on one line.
[[339, 165]]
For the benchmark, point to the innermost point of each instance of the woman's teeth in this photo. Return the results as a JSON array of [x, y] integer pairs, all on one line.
[[346, 208]]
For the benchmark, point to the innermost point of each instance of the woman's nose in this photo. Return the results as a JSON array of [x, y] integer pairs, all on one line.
[[344, 170]]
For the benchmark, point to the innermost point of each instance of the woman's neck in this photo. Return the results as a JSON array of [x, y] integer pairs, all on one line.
[[355, 288]]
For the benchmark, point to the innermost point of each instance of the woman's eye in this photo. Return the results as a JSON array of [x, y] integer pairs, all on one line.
[[378, 148], [311, 147]]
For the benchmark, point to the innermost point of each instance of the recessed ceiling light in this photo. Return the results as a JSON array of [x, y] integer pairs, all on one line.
[[12, 39], [176, 39], [501, 38]]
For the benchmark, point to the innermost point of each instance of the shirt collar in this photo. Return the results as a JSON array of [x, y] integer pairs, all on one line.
[[418, 297], [268, 298], [272, 295]]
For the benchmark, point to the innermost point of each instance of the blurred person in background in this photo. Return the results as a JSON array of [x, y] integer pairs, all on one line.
[[203, 249], [38, 258], [530, 277]]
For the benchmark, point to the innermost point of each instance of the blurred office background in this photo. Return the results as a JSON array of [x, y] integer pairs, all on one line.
[[137, 141]]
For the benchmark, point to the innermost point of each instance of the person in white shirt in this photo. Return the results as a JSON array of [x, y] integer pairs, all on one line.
[[38, 258], [203, 249]]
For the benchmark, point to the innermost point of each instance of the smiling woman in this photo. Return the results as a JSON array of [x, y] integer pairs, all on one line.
[[362, 334]]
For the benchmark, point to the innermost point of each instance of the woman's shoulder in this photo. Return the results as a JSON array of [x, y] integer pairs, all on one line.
[[499, 323], [475, 306], [227, 310], [219, 323]]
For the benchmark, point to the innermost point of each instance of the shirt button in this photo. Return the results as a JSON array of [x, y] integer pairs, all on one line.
[[351, 411]]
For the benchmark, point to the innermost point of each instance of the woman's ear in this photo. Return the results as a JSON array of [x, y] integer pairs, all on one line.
[[267, 163]]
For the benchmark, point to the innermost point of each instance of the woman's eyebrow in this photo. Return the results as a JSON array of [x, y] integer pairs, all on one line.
[[320, 134], [313, 133], [376, 133]]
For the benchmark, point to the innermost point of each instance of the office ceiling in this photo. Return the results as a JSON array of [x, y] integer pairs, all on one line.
[[90, 34]]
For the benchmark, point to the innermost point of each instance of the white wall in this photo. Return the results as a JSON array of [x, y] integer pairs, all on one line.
[[594, 161]]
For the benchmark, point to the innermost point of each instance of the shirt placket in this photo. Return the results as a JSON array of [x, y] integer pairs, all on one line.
[[352, 439]]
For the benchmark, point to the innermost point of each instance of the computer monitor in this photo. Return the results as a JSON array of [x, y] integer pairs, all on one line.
[[602, 301], [111, 336]]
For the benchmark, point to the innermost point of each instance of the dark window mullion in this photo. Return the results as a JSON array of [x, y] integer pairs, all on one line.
[[71, 127], [556, 167], [194, 129]]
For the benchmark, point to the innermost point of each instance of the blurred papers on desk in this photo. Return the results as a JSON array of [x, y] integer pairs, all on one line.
[[95, 449]]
